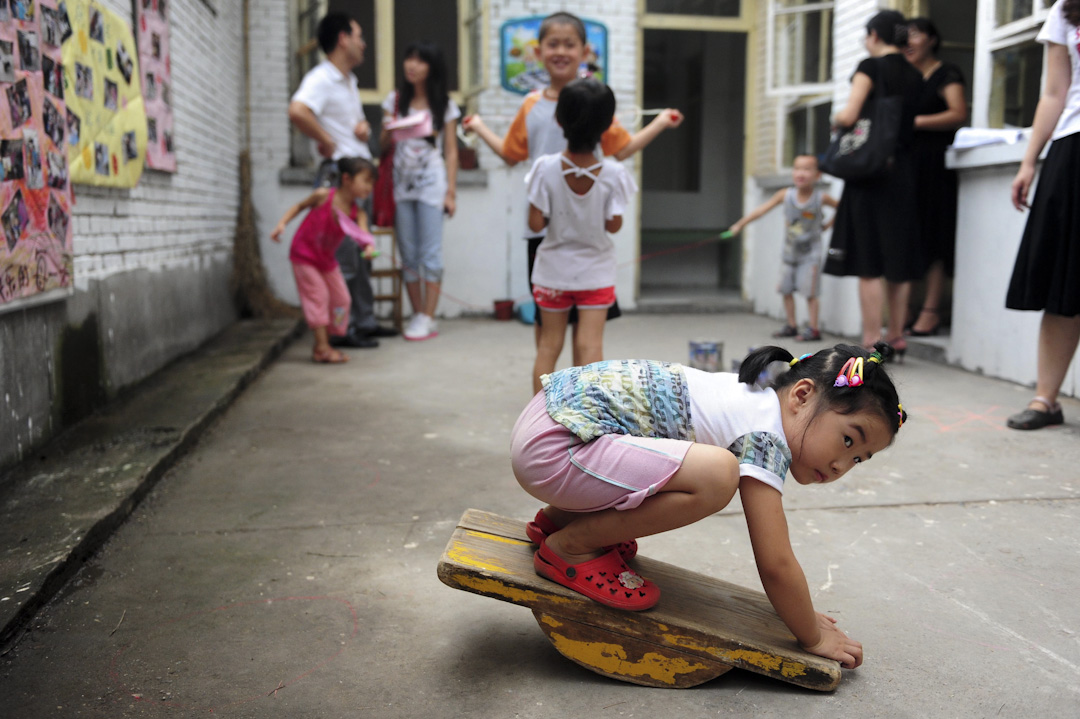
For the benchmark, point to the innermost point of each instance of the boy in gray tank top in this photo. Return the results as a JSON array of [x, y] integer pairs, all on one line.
[[803, 224]]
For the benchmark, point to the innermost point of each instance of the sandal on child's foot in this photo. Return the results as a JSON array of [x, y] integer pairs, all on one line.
[[328, 356], [542, 526], [1032, 418], [809, 335], [788, 331], [606, 579]]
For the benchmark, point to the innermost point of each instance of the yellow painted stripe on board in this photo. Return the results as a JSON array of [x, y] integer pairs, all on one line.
[[763, 660], [611, 658], [483, 585], [494, 537]]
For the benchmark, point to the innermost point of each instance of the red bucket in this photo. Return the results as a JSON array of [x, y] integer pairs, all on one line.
[[504, 309]]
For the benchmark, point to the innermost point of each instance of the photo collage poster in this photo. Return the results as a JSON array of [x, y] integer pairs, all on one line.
[[106, 118], [152, 32], [36, 258]]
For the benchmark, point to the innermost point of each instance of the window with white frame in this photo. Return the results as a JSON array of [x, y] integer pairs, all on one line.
[[800, 48], [806, 127], [1016, 62]]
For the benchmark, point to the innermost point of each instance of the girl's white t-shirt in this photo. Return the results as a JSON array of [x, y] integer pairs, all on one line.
[[724, 410], [577, 253], [419, 169], [1058, 30]]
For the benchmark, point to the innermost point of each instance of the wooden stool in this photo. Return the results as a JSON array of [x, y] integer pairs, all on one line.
[[702, 627], [386, 267]]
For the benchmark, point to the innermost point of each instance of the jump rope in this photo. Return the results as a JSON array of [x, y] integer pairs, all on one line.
[[634, 116]]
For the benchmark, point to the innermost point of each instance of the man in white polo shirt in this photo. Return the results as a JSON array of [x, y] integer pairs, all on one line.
[[326, 107]]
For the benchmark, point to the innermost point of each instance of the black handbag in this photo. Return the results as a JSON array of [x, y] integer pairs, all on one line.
[[866, 150]]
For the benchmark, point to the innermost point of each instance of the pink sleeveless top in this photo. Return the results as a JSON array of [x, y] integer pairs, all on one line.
[[318, 237]]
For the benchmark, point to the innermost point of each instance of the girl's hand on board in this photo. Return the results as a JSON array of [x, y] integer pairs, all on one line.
[[1020, 186], [836, 645]]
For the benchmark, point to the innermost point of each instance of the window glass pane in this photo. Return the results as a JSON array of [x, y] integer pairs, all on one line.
[[806, 131], [363, 13], [423, 20], [1007, 11], [803, 48], [711, 8], [1017, 81]]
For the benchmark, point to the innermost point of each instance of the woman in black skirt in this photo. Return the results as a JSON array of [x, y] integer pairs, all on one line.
[[942, 110], [877, 227], [1047, 271]]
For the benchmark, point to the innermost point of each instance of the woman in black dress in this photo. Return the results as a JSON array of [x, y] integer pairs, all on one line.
[[942, 110], [876, 232], [1047, 272]]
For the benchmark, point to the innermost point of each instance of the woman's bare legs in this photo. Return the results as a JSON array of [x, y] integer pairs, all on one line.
[[871, 303], [928, 319], [704, 484], [898, 295], [1058, 338]]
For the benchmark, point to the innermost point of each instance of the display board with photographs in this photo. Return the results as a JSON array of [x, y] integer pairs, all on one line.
[[152, 32], [105, 118], [35, 189]]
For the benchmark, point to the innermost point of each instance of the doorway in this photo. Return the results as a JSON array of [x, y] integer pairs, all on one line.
[[692, 177]]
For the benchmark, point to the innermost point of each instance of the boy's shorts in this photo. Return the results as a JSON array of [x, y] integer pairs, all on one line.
[[323, 297], [800, 276], [562, 300]]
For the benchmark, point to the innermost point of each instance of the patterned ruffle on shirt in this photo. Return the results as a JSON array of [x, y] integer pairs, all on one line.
[[641, 398]]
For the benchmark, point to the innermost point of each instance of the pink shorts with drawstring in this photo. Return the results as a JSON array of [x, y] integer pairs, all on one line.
[[615, 470], [323, 297]]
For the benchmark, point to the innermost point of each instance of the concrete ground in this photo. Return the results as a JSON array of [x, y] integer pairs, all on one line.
[[285, 566]]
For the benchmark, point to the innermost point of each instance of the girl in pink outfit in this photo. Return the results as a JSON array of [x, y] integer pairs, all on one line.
[[334, 213]]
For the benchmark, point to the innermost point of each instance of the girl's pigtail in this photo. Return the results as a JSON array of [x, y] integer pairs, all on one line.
[[759, 360]]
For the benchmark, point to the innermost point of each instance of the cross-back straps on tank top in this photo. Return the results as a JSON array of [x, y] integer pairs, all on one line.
[[592, 171]]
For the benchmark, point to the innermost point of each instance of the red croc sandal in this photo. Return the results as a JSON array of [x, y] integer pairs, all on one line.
[[542, 526], [606, 579]]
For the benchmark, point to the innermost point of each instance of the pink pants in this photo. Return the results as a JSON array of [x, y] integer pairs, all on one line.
[[615, 470], [323, 296]]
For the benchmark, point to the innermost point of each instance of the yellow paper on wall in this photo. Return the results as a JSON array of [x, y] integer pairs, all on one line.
[[106, 119]]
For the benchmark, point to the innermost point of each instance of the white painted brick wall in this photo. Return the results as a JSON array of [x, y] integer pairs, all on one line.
[[180, 219]]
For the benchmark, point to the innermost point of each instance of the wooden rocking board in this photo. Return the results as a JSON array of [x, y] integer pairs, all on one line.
[[701, 628]]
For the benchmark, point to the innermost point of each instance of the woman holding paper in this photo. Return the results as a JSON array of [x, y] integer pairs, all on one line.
[[420, 118]]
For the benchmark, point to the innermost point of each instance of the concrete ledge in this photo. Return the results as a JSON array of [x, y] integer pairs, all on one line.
[[59, 507]]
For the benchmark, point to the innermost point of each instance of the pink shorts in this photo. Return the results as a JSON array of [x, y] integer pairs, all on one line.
[[616, 470], [563, 300], [323, 296]]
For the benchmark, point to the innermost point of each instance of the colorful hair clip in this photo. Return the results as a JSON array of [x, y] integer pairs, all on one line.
[[851, 374], [900, 414], [797, 360]]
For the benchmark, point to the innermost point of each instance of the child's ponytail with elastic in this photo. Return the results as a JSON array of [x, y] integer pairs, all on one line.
[[759, 360], [851, 379]]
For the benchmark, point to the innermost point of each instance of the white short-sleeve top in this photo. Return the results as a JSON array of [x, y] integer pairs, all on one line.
[[1057, 30], [577, 253], [335, 99]]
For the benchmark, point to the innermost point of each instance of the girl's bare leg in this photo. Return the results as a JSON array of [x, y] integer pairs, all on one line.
[[548, 349], [704, 484], [589, 336], [431, 297], [322, 340]]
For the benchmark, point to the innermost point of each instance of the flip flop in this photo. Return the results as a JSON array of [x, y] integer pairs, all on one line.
[[541, 527], [606, 580], [331, 357]]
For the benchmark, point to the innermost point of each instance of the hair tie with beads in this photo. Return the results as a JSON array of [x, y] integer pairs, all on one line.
[[797, 360]]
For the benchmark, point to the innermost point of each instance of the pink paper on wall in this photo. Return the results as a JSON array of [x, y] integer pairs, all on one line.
[[35, 190], [152, 36]]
